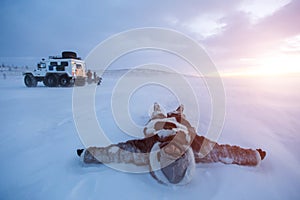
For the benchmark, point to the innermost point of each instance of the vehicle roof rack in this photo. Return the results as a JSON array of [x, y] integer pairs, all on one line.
[[60, 57]]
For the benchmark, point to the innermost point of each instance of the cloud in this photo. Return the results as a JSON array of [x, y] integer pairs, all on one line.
[[205, 26], [291, 45], [257, 9], [242, 39], [40, 27]]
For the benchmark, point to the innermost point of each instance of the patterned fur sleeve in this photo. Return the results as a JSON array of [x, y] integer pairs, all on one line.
[[206, 151]]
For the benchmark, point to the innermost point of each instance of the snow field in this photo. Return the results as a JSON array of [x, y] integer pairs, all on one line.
[[38, 143]]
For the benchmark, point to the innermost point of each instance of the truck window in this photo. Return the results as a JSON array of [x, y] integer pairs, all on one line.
[[53, 63], [41, 65], [79, 70], [78, 66], [64, 63]]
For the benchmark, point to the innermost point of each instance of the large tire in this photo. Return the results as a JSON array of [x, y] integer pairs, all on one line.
[[30, 80], [51, 80], [45, 82], [72, 82], [64, 81]]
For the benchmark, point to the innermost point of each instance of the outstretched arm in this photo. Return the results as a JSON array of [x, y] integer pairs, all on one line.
[[124, 152], [206, 151]]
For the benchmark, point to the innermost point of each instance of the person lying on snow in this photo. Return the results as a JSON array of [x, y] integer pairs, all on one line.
[[172, 146]]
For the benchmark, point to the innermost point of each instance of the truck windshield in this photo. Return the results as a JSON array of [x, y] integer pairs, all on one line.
[[41, 65], [79, 70], [78, 66]]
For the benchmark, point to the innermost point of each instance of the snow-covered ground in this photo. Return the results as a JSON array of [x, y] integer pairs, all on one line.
[[38, 143]]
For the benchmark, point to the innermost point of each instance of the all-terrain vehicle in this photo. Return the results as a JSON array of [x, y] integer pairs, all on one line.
[[65, 70]]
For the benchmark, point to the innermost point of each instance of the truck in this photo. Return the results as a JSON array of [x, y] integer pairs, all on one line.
[[58, 71]]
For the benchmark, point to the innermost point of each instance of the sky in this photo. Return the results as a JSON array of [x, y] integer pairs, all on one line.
[[240, 36]]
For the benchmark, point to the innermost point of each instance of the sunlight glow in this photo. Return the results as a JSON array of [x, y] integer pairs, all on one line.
[[281, 64], [275, 65]]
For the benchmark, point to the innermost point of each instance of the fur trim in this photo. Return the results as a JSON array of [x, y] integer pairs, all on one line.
[[150, 127], [258, 158], [155, 167], [156, 111]]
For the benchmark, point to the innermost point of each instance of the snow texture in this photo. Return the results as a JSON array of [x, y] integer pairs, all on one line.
[[39, 142]]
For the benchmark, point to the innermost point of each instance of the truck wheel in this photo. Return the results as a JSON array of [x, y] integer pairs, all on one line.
[[45, 82], [64, 81], [71, 84], [51, 80], [30, 80]]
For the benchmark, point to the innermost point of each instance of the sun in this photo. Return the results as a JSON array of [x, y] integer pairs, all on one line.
[[279, 64], [268, 65]]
